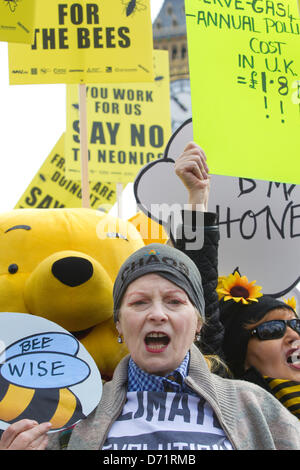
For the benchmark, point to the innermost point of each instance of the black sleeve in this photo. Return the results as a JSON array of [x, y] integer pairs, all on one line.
[[206, 259], [252, 375]]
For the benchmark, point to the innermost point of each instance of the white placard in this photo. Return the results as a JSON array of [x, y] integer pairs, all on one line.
[[259, 220], [46, 374]]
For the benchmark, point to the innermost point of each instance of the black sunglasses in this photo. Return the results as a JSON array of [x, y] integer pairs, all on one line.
[[275, 329]]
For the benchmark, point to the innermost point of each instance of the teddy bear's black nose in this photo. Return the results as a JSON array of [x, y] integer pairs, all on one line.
[[72, 270]]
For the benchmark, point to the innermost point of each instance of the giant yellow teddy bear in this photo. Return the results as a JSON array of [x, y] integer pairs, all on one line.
[[60, 264]]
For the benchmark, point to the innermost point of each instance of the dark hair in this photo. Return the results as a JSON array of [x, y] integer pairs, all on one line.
[[235, 316]]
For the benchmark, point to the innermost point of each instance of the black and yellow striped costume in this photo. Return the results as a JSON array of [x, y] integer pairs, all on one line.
[[287, 392]]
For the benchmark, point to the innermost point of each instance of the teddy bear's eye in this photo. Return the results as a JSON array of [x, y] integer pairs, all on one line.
[[116, 235], [13, 268]]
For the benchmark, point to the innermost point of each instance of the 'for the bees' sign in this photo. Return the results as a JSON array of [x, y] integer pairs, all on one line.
[[86, 42]]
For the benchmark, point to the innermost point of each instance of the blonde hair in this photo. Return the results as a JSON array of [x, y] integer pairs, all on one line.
[[217, 366]]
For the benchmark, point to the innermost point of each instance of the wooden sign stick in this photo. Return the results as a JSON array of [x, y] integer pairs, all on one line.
[[119, 190], [85, 187]]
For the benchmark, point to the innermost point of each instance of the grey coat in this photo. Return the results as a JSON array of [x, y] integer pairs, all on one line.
[[251, 417]]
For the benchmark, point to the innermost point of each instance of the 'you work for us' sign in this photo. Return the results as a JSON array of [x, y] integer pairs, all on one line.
[[128, 126], [86, 42], [245, 85]]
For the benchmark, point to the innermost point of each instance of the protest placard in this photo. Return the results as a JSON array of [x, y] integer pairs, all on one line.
[[245, 84], [128, 125], [51, 188], [86, 42], [17, 20], [259, 220], [46, 374]]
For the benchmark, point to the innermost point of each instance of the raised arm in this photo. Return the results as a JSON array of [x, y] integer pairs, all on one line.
[[192, 169]]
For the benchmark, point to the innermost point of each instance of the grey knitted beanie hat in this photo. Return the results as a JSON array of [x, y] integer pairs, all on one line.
[[165, 261]]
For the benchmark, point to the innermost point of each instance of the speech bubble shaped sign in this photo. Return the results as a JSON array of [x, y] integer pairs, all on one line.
[[259, 220], [43, 342], [45, 370], [46, 374]]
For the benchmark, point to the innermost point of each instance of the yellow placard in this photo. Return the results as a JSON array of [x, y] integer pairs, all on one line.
[[128, 126], [50, 188], [17, 20], [100, 41], [245, 86]]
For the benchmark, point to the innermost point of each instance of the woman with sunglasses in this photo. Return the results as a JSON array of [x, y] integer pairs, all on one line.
[[266, 346], [261, 339]]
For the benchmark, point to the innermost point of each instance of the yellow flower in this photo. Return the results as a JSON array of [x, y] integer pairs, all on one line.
[[291, 302], [238, 288], [220, 285]]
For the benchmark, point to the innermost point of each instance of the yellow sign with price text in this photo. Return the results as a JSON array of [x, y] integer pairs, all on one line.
[[245, 86]]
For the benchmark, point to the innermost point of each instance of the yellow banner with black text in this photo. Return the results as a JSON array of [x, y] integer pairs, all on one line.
[[245, 86], [128, 126], [86, 42], [50, 188]]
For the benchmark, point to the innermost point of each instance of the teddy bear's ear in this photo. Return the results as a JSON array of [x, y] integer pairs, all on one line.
[[151, 231]]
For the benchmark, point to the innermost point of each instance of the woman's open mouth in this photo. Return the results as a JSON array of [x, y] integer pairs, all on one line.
[[293, 358], [156, 342]]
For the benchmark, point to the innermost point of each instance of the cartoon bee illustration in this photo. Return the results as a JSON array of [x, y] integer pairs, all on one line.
[[59, 406], [35, 384], [12, 4], [132, 6]]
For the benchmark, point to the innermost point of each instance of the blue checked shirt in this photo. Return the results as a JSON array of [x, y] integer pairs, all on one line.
[[139, 381]]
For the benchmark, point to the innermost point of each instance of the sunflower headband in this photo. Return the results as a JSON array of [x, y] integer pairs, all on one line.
[[291, 302], [238, 288]]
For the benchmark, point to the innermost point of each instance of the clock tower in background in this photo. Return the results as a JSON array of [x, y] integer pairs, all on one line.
[[169, 33]]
